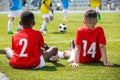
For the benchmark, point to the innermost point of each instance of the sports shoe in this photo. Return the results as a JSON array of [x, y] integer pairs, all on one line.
[[19, 28], [10, 32], [65, 20], [54, 58], [100, 21], [46, 29], [46, 46], [72, 45]]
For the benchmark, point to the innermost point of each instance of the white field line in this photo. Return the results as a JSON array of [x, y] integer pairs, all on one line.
[[70, 11], [68, 41]]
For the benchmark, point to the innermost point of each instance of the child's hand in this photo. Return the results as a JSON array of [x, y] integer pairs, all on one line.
[[109, 64], [74, 65]]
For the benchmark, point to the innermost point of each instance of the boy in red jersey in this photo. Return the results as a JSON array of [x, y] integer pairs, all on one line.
[[90, 42], [26, 46]]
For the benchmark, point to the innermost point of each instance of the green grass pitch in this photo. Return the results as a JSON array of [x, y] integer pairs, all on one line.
[[61, 70]]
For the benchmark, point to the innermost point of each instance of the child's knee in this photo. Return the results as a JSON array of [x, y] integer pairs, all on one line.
[[51, 18], [47, 20], [55, 48]]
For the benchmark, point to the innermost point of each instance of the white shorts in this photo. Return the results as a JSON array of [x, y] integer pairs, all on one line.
[[97, 9], [15, 13], [42, 63], [47, 15]]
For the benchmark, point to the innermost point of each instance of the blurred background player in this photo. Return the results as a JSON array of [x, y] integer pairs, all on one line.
[[27, 46], [96, 5], [15, 10], [65, 5], [46, 10]]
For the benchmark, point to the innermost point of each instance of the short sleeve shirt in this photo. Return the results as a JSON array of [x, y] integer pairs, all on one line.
[[16, 5], [44, 9], [89, 41], [27, 45]]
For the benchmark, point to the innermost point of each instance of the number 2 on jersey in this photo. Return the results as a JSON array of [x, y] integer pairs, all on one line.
[[23, 42], [91, 50]]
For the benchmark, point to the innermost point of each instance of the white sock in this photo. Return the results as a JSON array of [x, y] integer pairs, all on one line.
[[65, 11], [60, 54], [9, 25], [43, 26], [72, 57]]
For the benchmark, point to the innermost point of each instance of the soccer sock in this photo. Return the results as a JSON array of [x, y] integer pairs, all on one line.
[[60, 54], [98, 16], [72, 57], [44, 26], [9, 25], [65, 11]]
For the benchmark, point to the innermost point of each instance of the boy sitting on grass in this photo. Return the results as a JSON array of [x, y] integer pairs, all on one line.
[[89, 43], [27, 46]]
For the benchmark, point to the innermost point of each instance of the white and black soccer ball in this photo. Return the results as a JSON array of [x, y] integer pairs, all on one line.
[[62, 27]]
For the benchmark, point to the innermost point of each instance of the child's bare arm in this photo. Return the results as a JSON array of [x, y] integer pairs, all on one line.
[[104, 55], [76, 51]]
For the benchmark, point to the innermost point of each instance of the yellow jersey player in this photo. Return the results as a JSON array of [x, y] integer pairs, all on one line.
[[46, 8], [96, 4]]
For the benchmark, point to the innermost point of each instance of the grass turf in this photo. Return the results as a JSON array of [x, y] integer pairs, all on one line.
[[62, 70]]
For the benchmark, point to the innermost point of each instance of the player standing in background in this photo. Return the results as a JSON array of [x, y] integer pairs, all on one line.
[[96, 5], [27, 46], [65, 4], [46, 10], [15, 10]]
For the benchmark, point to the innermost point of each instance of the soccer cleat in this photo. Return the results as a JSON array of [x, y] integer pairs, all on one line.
[[10, 32], [72, 45], [46, 29], [46, 46], [100, 21], [19, 28], [54, 58], [65, 20]]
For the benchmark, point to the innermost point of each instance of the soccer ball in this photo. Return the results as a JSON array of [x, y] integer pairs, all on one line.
[[62, 27]]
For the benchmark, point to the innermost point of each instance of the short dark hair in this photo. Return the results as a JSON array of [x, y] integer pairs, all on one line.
[[90, 16], [27, 19]]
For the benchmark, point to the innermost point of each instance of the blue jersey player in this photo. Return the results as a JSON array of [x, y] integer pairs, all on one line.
[[65, 5], [15, 9]]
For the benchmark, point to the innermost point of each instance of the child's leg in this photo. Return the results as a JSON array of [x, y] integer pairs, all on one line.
[[8, 52], [98, 15], [67, 54], [44, 24], [49, 53], [65, 11], [10, 23], [72, 56]]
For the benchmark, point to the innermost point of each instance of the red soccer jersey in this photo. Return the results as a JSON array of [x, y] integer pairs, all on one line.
[[89, 41], [26, 45]]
